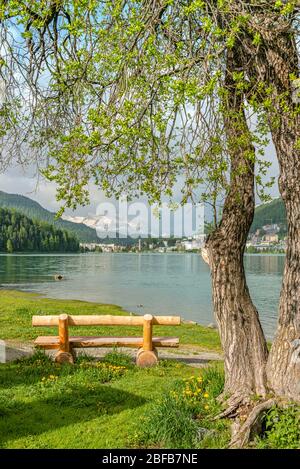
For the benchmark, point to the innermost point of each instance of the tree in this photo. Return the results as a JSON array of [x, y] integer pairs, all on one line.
[[281, 52], [19, 233], [157, 91], [241, 334], [267, 37], [139, 93], [137, 129], [9, 246]]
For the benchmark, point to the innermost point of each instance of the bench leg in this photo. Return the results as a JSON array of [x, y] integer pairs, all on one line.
[[146, 358], [64, 354], [147, 355], [64, 357]]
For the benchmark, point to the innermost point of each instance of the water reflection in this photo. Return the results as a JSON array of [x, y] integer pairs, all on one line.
[[268, 263]]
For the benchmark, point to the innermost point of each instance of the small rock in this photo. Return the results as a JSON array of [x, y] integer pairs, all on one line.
[[212, 326], [203, 432]]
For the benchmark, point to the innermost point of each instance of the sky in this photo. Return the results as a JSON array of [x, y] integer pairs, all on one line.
[[25, 182], [16, 180]]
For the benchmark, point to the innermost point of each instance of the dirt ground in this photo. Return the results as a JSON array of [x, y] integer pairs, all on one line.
[[190, 355]]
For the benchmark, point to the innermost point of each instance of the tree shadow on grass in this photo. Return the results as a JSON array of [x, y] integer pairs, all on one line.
[[30, 370], [76, 404], [26, 372]]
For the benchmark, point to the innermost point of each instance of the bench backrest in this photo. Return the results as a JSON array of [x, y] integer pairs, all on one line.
[[105, 320], [63, 322]]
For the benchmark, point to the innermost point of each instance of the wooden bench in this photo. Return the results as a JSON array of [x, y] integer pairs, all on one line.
[[64, 343]]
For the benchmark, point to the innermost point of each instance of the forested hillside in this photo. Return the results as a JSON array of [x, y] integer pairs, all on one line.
[[270, 213], [35, 211], [18, 233]]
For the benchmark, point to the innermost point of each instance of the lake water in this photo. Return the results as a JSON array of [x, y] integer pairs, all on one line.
[[142, 283]]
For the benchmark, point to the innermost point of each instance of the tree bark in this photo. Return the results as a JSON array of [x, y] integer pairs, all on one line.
[[275, 63], [284, 362], [283, 368], [242, 338]]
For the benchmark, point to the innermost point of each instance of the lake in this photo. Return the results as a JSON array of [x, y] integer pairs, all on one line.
[[143, 283]]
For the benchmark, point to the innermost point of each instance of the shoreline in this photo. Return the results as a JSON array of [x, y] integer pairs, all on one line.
[[17, 308], [5, 288], [30, 253], [192, 354], [211, 325]]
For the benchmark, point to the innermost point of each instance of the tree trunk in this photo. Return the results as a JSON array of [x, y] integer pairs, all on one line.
[[242, 338], [275, 63], [283, 368], [284, 362]]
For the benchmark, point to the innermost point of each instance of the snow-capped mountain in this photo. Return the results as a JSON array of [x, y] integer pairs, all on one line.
[[90, 221], [106, 226]]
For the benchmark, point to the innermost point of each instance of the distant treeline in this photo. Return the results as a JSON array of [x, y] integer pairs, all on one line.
[[19, 233], [35, 211]]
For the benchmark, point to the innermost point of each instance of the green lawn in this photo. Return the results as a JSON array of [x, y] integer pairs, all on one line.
[[88, 405], [111, 403], [91, 404], [17, 309]]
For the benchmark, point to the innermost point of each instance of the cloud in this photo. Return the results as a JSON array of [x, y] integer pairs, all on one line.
[[16, 181], [25, 182]]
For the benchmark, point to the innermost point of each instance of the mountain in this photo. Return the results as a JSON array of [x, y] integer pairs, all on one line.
[[19, 233], [106, 226], [91, 222], [269, 214], [85, 227], [34, 210]]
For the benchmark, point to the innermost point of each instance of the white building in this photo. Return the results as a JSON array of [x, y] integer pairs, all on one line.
[[95, 246]]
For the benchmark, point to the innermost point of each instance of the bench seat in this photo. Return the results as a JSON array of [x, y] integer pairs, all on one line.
[[52, 342]]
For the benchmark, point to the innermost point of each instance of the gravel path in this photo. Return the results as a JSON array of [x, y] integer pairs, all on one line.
[[189, 355]]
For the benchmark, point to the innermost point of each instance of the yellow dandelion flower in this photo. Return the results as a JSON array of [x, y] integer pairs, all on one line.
[[206, 407], [206, 395]]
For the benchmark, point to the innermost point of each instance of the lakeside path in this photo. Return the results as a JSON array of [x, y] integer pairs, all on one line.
[[191, 356], [199, 345]]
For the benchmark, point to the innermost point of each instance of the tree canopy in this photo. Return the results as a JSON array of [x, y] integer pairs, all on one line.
[[130, 93]]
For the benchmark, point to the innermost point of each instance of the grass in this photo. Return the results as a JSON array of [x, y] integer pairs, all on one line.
[[111, 403], [91, 404], [183, 417], [17, 309], [88, 405]]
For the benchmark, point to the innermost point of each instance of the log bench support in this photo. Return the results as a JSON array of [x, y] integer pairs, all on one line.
[[64, 344], [147, 354], [64, 354]]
